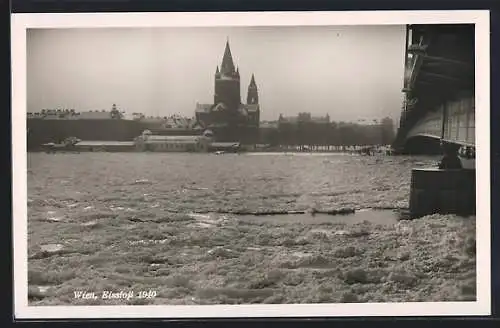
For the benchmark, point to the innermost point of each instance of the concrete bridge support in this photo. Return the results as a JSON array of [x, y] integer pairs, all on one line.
[[439, 107], [442, 191]]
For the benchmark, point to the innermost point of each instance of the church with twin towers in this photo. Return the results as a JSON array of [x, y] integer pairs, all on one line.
[[227, 116]]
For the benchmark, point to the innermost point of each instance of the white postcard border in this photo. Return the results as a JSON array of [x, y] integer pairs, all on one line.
[[21, 22]]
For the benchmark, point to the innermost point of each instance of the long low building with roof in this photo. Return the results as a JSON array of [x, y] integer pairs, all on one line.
[[149, 142]]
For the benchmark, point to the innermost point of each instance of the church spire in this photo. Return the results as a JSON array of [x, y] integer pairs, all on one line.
[[217, 70], [252, 81], [227, 66], [253, 92]]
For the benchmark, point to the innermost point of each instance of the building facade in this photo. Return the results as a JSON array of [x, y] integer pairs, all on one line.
[[149, 142], [228, 117]]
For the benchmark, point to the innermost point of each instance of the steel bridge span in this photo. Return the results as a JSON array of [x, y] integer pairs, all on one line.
[[439, 101]]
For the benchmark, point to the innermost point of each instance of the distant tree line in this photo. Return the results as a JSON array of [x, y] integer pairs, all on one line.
[[311, 133]]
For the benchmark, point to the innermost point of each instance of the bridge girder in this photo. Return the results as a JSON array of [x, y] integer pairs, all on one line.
[[426, 144], [421, 145], [439, 68]]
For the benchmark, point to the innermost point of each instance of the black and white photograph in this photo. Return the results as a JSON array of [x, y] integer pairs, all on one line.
[[251, 164]]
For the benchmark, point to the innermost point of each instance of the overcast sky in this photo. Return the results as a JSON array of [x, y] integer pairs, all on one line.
[[351, 72]]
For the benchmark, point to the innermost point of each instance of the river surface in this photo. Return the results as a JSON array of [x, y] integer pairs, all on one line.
[[207, 182], [183, 227]]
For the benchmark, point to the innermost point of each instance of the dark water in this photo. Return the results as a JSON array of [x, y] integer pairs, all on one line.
[[209, 183], [373, 216]]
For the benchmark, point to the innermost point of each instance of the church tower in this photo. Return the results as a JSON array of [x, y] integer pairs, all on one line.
[[253, 92], [227, 82]]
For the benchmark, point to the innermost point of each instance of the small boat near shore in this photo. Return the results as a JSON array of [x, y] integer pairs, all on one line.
[[67, 145]]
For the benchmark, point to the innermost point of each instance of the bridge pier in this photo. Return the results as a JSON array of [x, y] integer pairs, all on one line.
[[448, 189], [438, 116], [438, 191]]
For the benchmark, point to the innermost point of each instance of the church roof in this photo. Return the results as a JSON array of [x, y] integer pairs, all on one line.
[[227, 66]]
